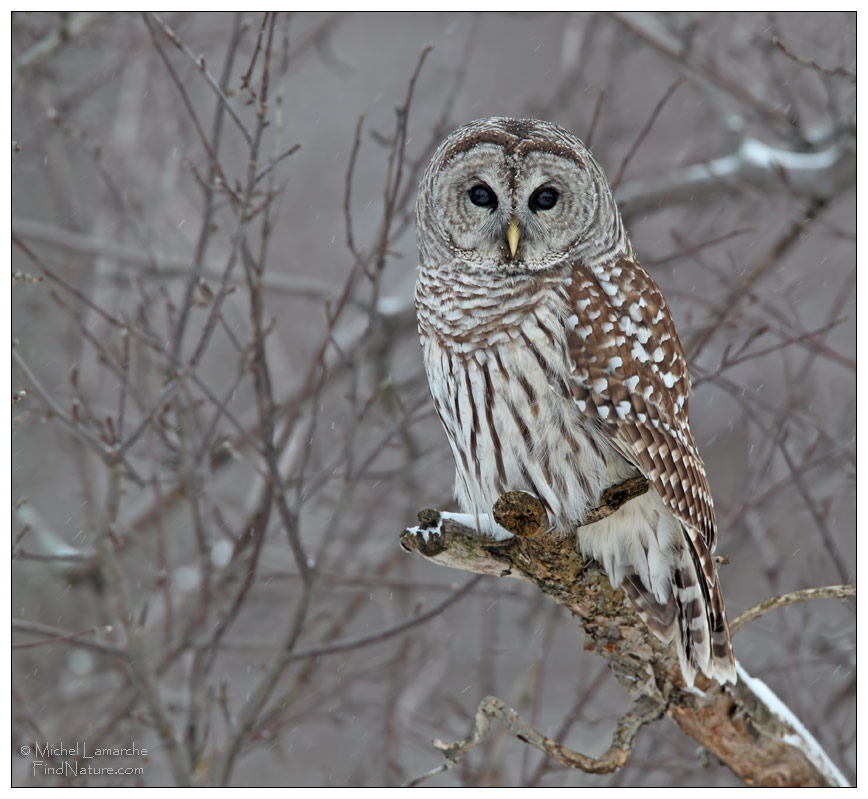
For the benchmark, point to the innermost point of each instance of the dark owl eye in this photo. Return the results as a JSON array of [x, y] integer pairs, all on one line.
[[483, 196], [543, 199]]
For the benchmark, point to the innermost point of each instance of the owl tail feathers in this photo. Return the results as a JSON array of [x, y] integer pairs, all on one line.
[[722, 659], [692, 616]]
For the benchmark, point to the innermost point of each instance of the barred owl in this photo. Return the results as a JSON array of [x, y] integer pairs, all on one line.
[[555, 368]]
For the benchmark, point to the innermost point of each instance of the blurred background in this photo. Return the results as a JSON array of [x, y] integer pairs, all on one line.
[[221, 423]]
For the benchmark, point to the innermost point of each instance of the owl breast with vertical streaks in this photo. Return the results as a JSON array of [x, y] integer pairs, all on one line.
[[505, 432]]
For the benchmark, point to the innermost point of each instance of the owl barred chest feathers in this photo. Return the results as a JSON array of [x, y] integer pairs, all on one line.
[[501, 388], [555, 368]]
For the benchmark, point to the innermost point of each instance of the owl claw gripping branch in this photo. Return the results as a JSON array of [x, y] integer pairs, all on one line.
[[556, 369]]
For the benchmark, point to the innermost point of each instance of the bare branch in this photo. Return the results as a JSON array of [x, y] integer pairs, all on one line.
[[643, 134], [826, 592], [117, 588], [595, 118], [839, 72], [825, 173], [389, 632], [213, 160], [707, 76], [199, 62], [626, 730], [171, 266], [80, 432], [348, 222], [70, 28], [54, 635]]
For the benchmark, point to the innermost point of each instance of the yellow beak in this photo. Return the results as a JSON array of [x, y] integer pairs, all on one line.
[[512, 236]]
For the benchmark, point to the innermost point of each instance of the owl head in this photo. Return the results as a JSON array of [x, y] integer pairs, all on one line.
[[514, 196]]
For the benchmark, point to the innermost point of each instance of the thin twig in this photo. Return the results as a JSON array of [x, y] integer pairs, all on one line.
[[212, 156], [598, 107], [117, 588], [826, 592], [55, 635], [845, 571], [643, 134], [215, 169], [792, 237], [245, 81], [689, 250], [838, 72], [348, 221], [388, 632], [652, 30], [199, 61], [275, 161], [81, 433]]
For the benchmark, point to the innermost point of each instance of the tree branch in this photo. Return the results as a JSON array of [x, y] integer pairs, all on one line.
[[69, 28], [746, 726], [626, 730], [825, 173], [826, 592]]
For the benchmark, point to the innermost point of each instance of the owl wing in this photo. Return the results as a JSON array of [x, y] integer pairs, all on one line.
[[630, 372]]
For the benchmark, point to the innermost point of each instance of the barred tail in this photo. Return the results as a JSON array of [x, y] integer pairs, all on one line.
[[692, 615]]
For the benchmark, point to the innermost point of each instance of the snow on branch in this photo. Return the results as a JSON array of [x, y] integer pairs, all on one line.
[[823, 173]]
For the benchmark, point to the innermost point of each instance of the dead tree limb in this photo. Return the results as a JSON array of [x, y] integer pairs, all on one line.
[[645, 711], [745, 726]]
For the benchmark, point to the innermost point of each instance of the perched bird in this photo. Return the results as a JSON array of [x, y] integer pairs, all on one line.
[[555, 368]]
